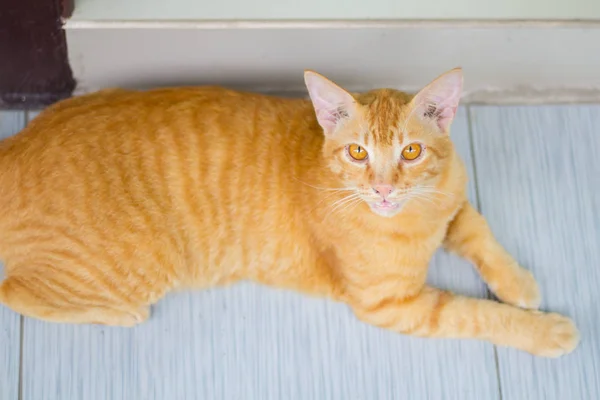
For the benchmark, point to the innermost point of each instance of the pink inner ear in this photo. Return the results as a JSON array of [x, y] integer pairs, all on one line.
[[326, 119], [439, 100], [445, 117], [329, 114], [440, 109], [331, 103]]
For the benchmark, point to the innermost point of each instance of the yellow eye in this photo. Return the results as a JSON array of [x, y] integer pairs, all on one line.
[[412, 151], [357, 152]]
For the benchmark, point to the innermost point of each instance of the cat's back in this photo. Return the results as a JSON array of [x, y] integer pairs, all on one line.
[[118, 147], [117, 126], [119, 114]]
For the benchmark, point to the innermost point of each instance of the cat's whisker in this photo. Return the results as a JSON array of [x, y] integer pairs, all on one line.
[[432, 189], [327, 197], [343, 201], [419, 196], [421, 191], [431, 194], [333, 206], [342, 189], [351, 205], [336, 205]]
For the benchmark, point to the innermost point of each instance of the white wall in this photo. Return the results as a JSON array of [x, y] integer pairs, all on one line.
[[513, 51], [501, 64], [334, 9]]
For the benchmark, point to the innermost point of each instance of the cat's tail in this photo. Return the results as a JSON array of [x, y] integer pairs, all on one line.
[[3, 288], [10, 293], [3, 291]]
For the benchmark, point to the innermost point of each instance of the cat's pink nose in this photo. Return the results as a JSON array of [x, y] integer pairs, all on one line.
[[383, 190]]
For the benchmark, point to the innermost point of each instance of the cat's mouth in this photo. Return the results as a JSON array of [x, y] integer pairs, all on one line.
[[386, 208], [386, 205]]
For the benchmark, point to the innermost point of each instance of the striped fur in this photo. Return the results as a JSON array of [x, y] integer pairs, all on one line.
[[108, 201]]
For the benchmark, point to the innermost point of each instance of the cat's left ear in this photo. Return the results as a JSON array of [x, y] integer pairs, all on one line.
[[333, 105], [438, 101]]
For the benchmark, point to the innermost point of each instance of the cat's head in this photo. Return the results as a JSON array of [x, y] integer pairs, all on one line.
[[386, 147]]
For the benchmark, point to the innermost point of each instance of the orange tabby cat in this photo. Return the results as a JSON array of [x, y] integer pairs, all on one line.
[[108, 201]]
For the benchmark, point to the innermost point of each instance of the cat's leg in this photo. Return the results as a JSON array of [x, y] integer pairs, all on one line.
[[436, 313], [470, 237], [53, 299]]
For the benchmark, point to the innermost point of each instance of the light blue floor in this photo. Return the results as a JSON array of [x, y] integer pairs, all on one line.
[[535, 175]]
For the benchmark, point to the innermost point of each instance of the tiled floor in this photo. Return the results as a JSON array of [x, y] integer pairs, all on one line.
[[536, 176]]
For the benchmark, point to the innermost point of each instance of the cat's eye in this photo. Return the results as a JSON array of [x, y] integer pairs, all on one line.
[[357, 152], [412, 151]]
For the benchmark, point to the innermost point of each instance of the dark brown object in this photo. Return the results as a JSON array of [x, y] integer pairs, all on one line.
[[67, 8], [34, 68]]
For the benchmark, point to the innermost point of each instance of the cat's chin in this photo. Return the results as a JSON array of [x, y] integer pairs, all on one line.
[[386, 209]]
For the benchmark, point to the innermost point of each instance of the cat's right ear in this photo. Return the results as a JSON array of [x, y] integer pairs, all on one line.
[[333, 105]]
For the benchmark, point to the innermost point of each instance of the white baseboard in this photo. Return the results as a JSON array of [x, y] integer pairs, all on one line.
[[503, 62]]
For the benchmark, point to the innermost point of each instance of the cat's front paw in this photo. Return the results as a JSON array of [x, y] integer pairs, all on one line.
[[517, 286], [556, 336]]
